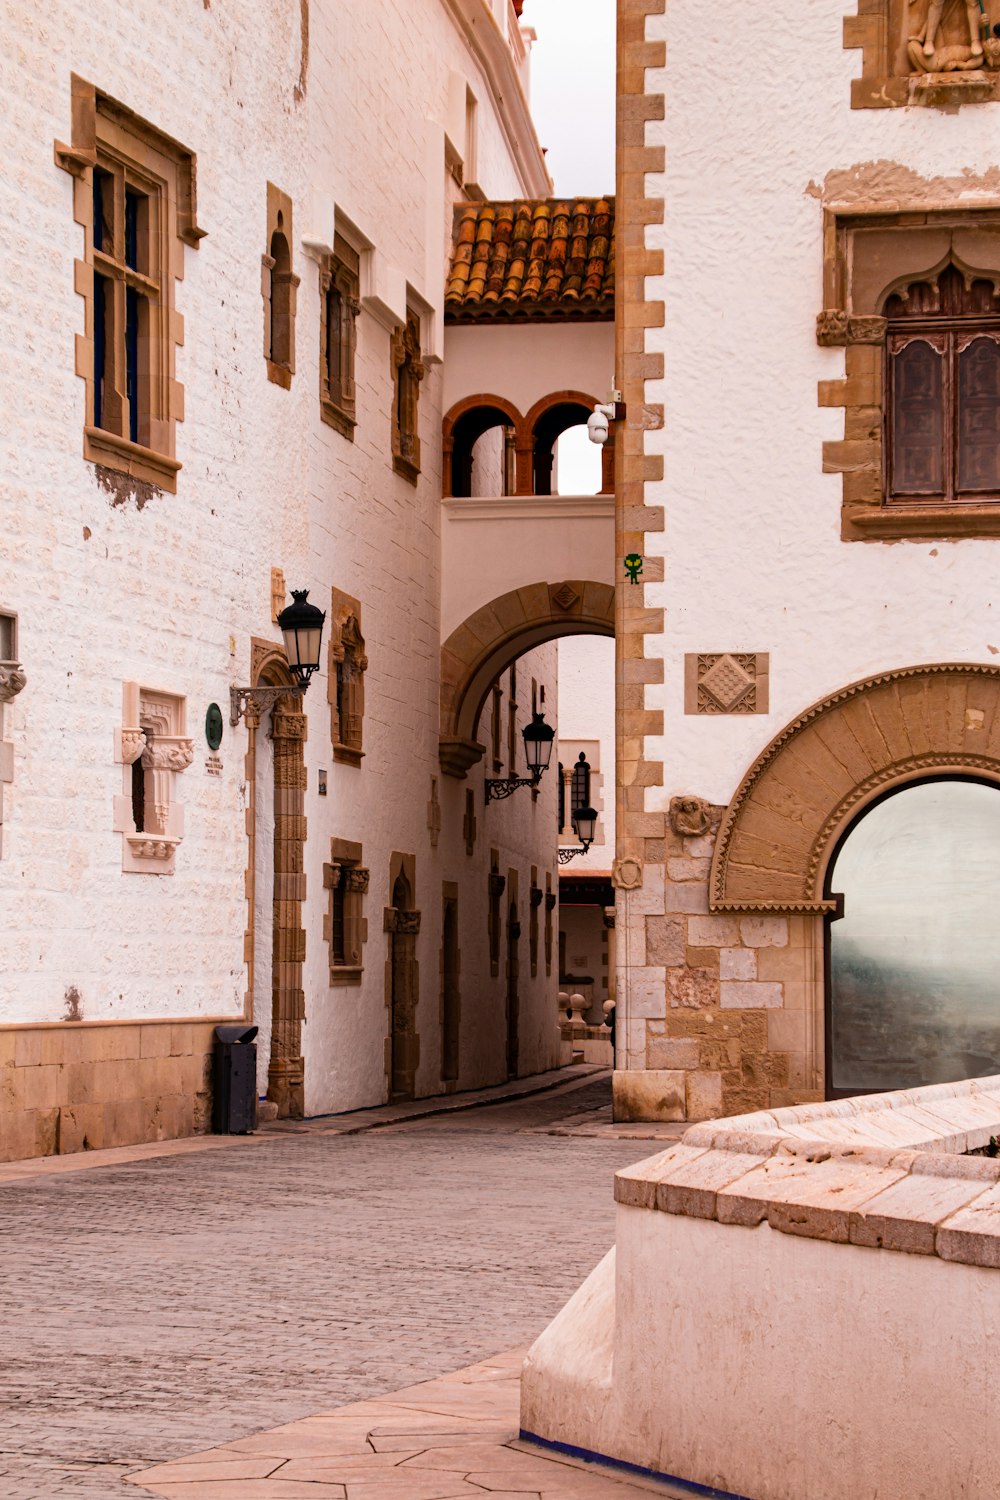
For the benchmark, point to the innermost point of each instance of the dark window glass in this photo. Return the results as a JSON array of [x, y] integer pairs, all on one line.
[[132, 314], [337, 946], [334, 352], [138, 796], [102, 299], [580, 786]]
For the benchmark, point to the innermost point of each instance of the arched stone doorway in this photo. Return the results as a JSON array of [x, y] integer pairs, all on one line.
[[474, 655], [914, 946], [402, 924], [276, 880], [780, 834]]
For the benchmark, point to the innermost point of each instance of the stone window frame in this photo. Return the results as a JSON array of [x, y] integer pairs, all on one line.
[[347, 665], [340, 273], [869, 254], [347, 880], [278, 290], [152, 747], [407, 368], [889, 81], [108, 136]]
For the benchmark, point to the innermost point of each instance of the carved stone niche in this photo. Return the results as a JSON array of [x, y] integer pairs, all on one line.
[[692, 817], [942, 53], [152, 747]]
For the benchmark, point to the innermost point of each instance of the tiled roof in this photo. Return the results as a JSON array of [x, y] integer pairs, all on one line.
[[532, 261]]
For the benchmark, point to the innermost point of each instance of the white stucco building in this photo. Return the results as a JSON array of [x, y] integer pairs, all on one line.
[[224, 377], [808, 347]]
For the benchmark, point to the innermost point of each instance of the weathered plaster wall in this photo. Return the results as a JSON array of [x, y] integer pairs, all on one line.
[[527, 361]]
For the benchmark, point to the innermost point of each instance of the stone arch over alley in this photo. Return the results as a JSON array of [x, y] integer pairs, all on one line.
[[478, 651]]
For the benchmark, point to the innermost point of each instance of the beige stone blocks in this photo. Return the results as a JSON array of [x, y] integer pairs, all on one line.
[[80, 1087], [649, 1094]]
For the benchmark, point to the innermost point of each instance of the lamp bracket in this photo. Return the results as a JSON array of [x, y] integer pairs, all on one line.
[[498, 787], [246, 702], [570, 851]]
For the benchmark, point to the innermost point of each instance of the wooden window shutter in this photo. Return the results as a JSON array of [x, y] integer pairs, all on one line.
[[978, 415], [918, 416]]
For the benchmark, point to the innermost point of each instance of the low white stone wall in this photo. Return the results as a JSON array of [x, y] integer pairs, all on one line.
[[802, 1305]]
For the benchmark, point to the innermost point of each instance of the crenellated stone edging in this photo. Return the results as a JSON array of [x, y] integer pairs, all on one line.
[[885, 1171]]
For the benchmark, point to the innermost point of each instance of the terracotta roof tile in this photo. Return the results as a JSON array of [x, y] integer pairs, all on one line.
[[533, 260]]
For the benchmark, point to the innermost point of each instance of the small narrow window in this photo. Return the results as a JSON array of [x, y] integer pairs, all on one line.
[[338, 955], [278, 288], [407, 372], [580, 786], [340, 305], [138, 796]]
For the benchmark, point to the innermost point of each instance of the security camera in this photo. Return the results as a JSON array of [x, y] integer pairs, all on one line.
[[598, 423]]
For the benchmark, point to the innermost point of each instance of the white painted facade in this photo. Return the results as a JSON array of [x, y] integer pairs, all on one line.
[[355, 128], [752, 549]]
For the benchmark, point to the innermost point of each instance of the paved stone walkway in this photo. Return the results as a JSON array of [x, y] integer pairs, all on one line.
[[453, 1438], [159, 1306]]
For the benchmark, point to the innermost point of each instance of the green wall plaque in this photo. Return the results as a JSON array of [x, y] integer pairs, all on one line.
[[213, 726]]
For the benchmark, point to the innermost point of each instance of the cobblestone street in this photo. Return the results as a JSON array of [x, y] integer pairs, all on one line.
[[161, 1306]]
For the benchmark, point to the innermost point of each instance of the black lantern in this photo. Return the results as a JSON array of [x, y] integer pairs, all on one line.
[[538, 740], [585, 826], [301, 625]]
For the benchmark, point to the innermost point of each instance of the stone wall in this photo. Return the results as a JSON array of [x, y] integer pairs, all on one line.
[[86, 1087]]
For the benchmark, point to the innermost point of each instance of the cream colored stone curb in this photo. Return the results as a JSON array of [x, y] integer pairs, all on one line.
[[885, 1171]]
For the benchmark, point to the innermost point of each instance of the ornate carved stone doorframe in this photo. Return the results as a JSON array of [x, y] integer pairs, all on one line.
[[401, 923], [286, 1071]]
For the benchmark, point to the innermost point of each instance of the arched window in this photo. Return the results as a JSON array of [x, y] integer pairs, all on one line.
[[579, 791], [943, 406], [913, 988], [278, 288], [482, 455], [281, 314]]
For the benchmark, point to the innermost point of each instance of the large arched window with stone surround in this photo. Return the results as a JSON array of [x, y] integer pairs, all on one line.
[[943, 396], [913, 977]]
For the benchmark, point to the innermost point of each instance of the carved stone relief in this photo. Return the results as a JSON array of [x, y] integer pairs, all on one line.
[[937, 52], [692, 817], [728, 682]]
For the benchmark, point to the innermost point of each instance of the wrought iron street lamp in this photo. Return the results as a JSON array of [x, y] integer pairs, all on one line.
[[538, 740], [301, 625], [585, 827]]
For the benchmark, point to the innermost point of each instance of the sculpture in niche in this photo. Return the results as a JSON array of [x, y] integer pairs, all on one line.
[[946, 36]]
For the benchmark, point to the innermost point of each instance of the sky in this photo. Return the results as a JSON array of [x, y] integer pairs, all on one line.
[[573, 102], [573, 90]]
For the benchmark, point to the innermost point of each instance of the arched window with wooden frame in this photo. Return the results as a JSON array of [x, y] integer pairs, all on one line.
[[943, 391], [278, 289]]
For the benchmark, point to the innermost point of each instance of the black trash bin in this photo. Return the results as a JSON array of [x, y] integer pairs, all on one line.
[[234, 1094]]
